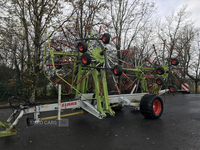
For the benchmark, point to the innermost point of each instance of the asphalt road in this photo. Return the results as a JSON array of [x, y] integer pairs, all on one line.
[[177, 129]]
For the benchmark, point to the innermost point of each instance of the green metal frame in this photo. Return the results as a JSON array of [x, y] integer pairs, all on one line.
[[8, 130], [139, 75], [99, 77], [81, 88]]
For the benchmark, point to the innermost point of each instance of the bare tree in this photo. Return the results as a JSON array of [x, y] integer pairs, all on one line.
[[193, 66], [87, 13], [178, 31], [128, 19], [31, 19]]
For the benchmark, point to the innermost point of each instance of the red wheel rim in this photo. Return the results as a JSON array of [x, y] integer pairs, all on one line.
[[104, 38], [158, 82], [84, 59], [115, 70], [172, 89], [159, 71], [157, 106], [174, 62], [80, 47]]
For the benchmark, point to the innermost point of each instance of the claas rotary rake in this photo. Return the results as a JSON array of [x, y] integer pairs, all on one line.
[[86, 64]]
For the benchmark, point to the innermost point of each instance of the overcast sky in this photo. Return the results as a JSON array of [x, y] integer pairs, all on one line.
[[165, 8]]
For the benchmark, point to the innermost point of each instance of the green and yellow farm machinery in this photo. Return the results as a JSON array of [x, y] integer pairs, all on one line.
[[85, 67]]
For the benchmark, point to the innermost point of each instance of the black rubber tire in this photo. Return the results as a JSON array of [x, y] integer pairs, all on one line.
[[106, 38], [174, 62], [82, 46], [30, 121], [147, 106], [117, 70], [117, 108], [86, 59], [172, 88], [159, 81], [160, 70]]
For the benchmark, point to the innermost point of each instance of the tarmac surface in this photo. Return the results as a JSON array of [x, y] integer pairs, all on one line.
[[177, 129]]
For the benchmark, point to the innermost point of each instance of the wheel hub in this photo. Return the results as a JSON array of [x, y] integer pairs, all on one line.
[[156, 106]]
